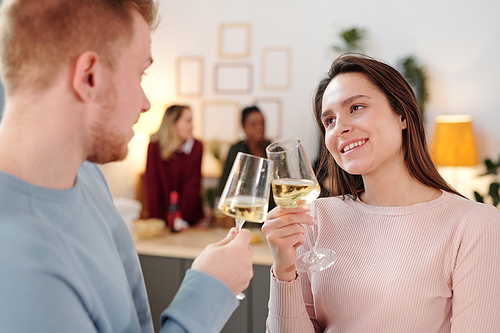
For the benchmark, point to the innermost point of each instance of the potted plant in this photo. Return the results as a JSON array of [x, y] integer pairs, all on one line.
[[416, 76], [492, 168], [351, 40]]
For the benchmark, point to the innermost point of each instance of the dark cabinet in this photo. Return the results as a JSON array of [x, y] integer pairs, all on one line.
[[163, 276]]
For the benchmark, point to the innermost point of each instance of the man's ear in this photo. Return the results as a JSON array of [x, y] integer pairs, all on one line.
[[85, 75]]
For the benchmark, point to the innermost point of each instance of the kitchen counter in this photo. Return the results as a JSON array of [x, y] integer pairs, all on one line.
[[188, 244], [165, 258]]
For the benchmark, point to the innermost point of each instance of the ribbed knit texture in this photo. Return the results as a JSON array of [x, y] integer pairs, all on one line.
[[429, 267]]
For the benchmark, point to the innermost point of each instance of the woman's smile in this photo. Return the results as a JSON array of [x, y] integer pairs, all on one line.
[[358, 118], [350, 146]]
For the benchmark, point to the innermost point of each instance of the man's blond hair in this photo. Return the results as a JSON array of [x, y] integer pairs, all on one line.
[[40, 37]]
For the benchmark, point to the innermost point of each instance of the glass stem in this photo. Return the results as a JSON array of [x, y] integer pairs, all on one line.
[[313, 255], [239, 223]]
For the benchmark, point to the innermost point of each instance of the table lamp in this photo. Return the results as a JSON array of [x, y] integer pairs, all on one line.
[[454, 143]]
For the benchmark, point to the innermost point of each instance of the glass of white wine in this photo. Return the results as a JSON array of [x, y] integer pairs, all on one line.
[[294, 184], [246, 193]]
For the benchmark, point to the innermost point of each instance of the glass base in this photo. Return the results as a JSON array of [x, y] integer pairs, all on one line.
[[315, 261]]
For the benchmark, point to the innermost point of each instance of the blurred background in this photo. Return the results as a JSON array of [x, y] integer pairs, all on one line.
[[219, 56]]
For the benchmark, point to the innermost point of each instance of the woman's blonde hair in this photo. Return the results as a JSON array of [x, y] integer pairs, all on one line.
[[166, 136]]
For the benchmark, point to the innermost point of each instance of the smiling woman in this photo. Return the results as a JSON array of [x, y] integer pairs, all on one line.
[[362, 133], [413, 254], [384, 91]]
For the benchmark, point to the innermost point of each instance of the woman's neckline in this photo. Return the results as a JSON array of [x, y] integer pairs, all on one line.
[[400, 210]]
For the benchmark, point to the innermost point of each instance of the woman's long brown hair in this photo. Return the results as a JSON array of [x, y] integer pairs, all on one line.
[[403, 102]]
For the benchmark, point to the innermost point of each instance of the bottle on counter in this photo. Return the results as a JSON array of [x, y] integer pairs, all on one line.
[[173, 210], [174, 219]]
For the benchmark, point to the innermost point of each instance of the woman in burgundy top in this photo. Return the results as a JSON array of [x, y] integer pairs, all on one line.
[[174, 165]]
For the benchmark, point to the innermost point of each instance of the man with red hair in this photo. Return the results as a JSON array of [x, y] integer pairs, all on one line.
[[72, 74]]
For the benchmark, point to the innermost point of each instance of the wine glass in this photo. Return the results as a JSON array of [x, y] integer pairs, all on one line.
[[246, 193], [294, 184]]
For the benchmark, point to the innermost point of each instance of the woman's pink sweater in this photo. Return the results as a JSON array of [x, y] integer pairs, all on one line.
[[430, 267]]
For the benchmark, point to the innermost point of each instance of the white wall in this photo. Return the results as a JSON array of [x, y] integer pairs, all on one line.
[[458, 41]]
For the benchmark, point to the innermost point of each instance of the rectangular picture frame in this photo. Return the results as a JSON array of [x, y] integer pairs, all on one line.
[[189, 71], [276, 68], [272, 109], [233, 78], [220, 121], [234, 40]]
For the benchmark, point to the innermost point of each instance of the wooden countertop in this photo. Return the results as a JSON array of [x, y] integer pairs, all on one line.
[[188, 244]]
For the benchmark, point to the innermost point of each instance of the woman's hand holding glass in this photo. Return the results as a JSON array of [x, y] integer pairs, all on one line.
[[294, 185], [285, 232]]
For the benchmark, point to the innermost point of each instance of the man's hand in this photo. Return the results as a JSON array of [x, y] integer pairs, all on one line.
[[229, 260]]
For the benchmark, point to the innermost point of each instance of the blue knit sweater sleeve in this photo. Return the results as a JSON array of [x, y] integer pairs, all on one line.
[[202, 304]]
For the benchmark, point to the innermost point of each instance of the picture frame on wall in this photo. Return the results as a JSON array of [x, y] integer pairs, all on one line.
[[234, 40], [272, 109], [220, 121], [189, 72], [276, 68], [233, 78]]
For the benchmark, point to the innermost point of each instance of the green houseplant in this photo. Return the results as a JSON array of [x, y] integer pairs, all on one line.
[[416, 76], [351, 40], [492, 168]]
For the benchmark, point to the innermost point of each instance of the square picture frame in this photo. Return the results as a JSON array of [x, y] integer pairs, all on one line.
[[234, 40]]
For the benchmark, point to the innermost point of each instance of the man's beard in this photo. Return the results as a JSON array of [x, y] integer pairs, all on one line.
[[106, 145]]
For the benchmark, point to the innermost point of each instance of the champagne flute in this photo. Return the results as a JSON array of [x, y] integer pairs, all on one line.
[[246, 193], [294, 184]]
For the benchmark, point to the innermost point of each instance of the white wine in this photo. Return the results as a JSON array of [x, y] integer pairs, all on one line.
[[290, 193], [244, 207]]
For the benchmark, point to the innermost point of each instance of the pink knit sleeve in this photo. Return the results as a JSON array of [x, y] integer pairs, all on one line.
[[287, 311], [476, 273]]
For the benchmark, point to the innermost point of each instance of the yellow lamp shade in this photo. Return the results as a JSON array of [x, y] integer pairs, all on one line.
[[454, 143]]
